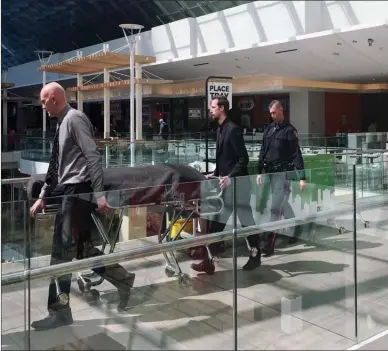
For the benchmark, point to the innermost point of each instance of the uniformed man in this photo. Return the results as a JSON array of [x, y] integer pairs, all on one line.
[[281, 158]]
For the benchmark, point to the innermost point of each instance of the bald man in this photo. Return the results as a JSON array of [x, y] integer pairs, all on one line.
[[75, 168]]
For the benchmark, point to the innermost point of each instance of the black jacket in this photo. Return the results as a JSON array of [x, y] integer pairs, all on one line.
[[281, 146], [231, 155]]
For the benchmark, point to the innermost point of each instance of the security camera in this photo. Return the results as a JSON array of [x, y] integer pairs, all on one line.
[[370, 42]]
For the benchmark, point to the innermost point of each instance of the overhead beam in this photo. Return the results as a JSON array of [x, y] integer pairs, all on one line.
[[163, 9], [183, 6], [144, 13]]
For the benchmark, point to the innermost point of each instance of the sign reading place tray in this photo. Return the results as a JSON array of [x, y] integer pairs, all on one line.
[[220, 89]]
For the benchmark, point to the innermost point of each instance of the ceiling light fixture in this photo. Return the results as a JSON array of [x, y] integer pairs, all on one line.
[[336, 53], [339, 44], [238, 66], [354, 41], [284, 51], [247, 58]]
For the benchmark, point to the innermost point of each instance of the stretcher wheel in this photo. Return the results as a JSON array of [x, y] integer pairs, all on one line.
[[170, 271], [184, 280], [84, 286], [92, 296], [341, 230], [366, 224]]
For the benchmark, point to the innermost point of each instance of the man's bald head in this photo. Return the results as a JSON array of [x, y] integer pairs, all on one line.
[[53, 98]]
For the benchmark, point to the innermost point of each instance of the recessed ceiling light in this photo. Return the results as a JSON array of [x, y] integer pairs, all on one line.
[[354, 41], [247, 58], [339, 44], [336, 53]]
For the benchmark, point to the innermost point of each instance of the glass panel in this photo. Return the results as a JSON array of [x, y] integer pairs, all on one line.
[[166, 288], [14, 236], [14, 258], [302, 294], [221, 5], [36, 148], [372, 244], [170, 6], [14, 315]]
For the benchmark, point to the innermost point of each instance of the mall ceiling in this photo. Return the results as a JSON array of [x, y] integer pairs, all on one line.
[[61, 26]]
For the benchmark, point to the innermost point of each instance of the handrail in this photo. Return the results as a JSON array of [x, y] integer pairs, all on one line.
[[152, 250], [14, 180]]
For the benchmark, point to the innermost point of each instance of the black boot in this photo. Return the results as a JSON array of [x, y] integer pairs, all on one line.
[[122, 280], [254, 261], [125, 291], [296, 237], [55, 319], [269, 247]]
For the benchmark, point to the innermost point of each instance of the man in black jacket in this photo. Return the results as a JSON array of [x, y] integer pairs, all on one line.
[[231, 162], [281, 158]]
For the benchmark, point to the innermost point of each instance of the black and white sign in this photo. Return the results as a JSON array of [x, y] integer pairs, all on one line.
[[220, 89], [194, 113]]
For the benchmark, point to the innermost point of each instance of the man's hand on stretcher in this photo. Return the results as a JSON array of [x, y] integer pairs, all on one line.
[[224, 181], [40, 203], [102, 205]]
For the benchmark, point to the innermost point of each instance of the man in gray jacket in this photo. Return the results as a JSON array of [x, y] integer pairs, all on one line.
[[75, 168]]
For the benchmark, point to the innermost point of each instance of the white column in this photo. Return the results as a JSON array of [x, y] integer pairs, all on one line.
[[44, 110], [44, 58], [307, 111], [106, 105], [132, 99], [5, 105], [80, 82], [80, 94], [139, 93]]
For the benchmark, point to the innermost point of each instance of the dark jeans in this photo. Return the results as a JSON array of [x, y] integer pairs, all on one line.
[[280, 188], [242, 206], [72, 238]]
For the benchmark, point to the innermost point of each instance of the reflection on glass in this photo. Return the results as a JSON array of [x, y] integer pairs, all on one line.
[[300, 296]]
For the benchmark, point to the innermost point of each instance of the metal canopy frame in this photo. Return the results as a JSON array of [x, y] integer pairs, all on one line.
[[96, 62], [120, 80]]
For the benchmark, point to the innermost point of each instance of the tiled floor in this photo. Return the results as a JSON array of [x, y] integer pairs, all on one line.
[[379, 343], [301, 298]]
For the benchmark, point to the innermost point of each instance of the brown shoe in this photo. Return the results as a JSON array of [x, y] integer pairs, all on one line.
[[205, 266]]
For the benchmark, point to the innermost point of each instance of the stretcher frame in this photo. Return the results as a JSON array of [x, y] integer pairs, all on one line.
[[173, 208]]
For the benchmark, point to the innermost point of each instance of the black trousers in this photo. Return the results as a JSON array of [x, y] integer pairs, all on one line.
[[72, 239], [280, 189], [242, 206]]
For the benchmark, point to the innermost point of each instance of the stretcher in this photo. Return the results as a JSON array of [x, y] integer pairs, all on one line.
[[176, 191]]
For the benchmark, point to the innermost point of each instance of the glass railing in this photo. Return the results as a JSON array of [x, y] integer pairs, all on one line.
[[263, 263], [121, 153]]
